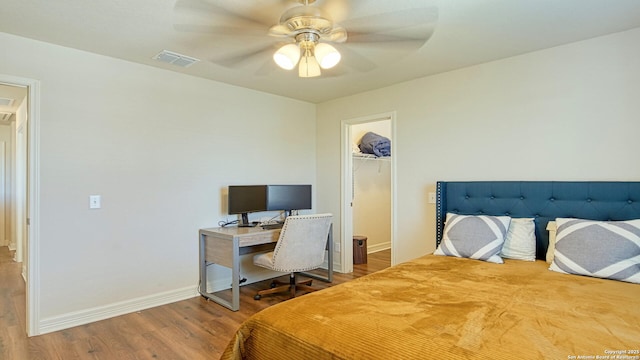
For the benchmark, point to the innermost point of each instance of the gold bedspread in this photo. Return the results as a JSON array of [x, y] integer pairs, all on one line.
[[440, 307]]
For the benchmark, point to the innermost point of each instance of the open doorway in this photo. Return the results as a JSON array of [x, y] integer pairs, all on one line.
[[13, 167], [368, 189], [24, 191]]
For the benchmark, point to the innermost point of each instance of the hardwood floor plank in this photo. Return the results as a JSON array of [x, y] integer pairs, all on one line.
[[53, 347], [191, 329]]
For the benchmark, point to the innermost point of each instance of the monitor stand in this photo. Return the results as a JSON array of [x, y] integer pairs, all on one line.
[[245, 221], [247, 225]]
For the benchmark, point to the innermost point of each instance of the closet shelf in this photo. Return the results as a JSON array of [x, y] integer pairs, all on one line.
[[370, 157]]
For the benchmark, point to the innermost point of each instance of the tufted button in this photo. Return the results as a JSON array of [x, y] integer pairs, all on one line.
[[589, 200], [630, 201], [521, 197], [466, 197], [492, 197], [552, 199], [537, 215], [507, 214], [481, 212]]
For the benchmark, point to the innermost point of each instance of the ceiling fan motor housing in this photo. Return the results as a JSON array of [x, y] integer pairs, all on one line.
[[307, 40], [302, 19]]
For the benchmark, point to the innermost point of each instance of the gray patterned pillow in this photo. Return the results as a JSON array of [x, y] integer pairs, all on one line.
[[475, 237], [604, 249]]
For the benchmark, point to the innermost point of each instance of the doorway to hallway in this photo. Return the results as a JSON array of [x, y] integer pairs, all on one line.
[[24, 190]]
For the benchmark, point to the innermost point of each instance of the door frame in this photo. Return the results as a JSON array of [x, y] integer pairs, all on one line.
[[32, 236], [3, 193], [346, 192]]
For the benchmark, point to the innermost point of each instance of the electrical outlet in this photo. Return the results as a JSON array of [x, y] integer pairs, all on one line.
[[432, 198]]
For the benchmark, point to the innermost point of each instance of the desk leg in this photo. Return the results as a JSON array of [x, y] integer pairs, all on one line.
[[329, 277], [202, 288], [235, 274], [330, 257]]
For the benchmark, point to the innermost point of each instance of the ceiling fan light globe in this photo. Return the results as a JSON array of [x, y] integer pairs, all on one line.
[[308, 67], [287, 56], [327, 55]]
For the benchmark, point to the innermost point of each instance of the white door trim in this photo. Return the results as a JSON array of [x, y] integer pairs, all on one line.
[[32, 256], [3, 194], [346, 193]]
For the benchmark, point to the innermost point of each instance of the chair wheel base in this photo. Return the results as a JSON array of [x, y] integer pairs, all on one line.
[[278, 286]]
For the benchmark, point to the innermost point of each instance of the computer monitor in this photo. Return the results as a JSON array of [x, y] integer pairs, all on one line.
[[245, 199]]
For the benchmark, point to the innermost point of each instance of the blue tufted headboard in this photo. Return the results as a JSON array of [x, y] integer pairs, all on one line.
[[542, 200]]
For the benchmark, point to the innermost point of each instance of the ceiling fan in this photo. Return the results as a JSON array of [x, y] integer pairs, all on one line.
[[309, 34]]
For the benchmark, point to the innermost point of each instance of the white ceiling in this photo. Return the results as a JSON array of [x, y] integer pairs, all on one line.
[[467, 32]]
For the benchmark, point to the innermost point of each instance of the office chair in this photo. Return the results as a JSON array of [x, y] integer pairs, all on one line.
[[300, 247]]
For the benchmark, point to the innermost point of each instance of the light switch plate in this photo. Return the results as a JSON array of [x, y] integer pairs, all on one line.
[[94, 202], [432, 198]]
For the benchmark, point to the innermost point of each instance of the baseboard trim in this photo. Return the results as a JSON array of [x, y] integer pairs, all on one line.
[[87, 316], [82, 317], [379, 247]]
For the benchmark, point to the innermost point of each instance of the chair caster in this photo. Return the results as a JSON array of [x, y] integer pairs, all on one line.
[[273, 284], [257, 297]]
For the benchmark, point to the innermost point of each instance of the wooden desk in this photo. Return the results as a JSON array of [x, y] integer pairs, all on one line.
[[223, 246]]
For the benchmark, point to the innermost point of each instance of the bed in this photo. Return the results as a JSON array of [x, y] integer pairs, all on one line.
[[467, 307]]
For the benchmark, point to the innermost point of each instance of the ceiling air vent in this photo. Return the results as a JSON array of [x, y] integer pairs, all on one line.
[[6, 102], [170, 57], [5, 116]]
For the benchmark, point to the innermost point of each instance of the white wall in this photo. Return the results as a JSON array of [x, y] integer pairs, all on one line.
[[566, 113], [160, 147]]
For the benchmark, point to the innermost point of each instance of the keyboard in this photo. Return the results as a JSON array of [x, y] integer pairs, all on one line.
[[272, 226]]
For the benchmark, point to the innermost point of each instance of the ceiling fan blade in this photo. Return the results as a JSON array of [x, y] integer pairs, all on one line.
[[376, 39], [210, 8], [267, 67], [334, 72], [279, 30], [239, 59], [396, 21], [354, 60], [337, 9], [337, 35], [221, 30]]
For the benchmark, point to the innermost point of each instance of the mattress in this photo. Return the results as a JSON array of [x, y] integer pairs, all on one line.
[[438, 307]]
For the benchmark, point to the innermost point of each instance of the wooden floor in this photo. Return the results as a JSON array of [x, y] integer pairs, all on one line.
[[190, 329]]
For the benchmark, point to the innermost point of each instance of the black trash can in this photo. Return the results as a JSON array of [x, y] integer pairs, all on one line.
[[359, 249]]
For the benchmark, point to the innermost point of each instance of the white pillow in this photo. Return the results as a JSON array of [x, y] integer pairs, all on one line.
[[520, 242], [475, 237], [551, 227]]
